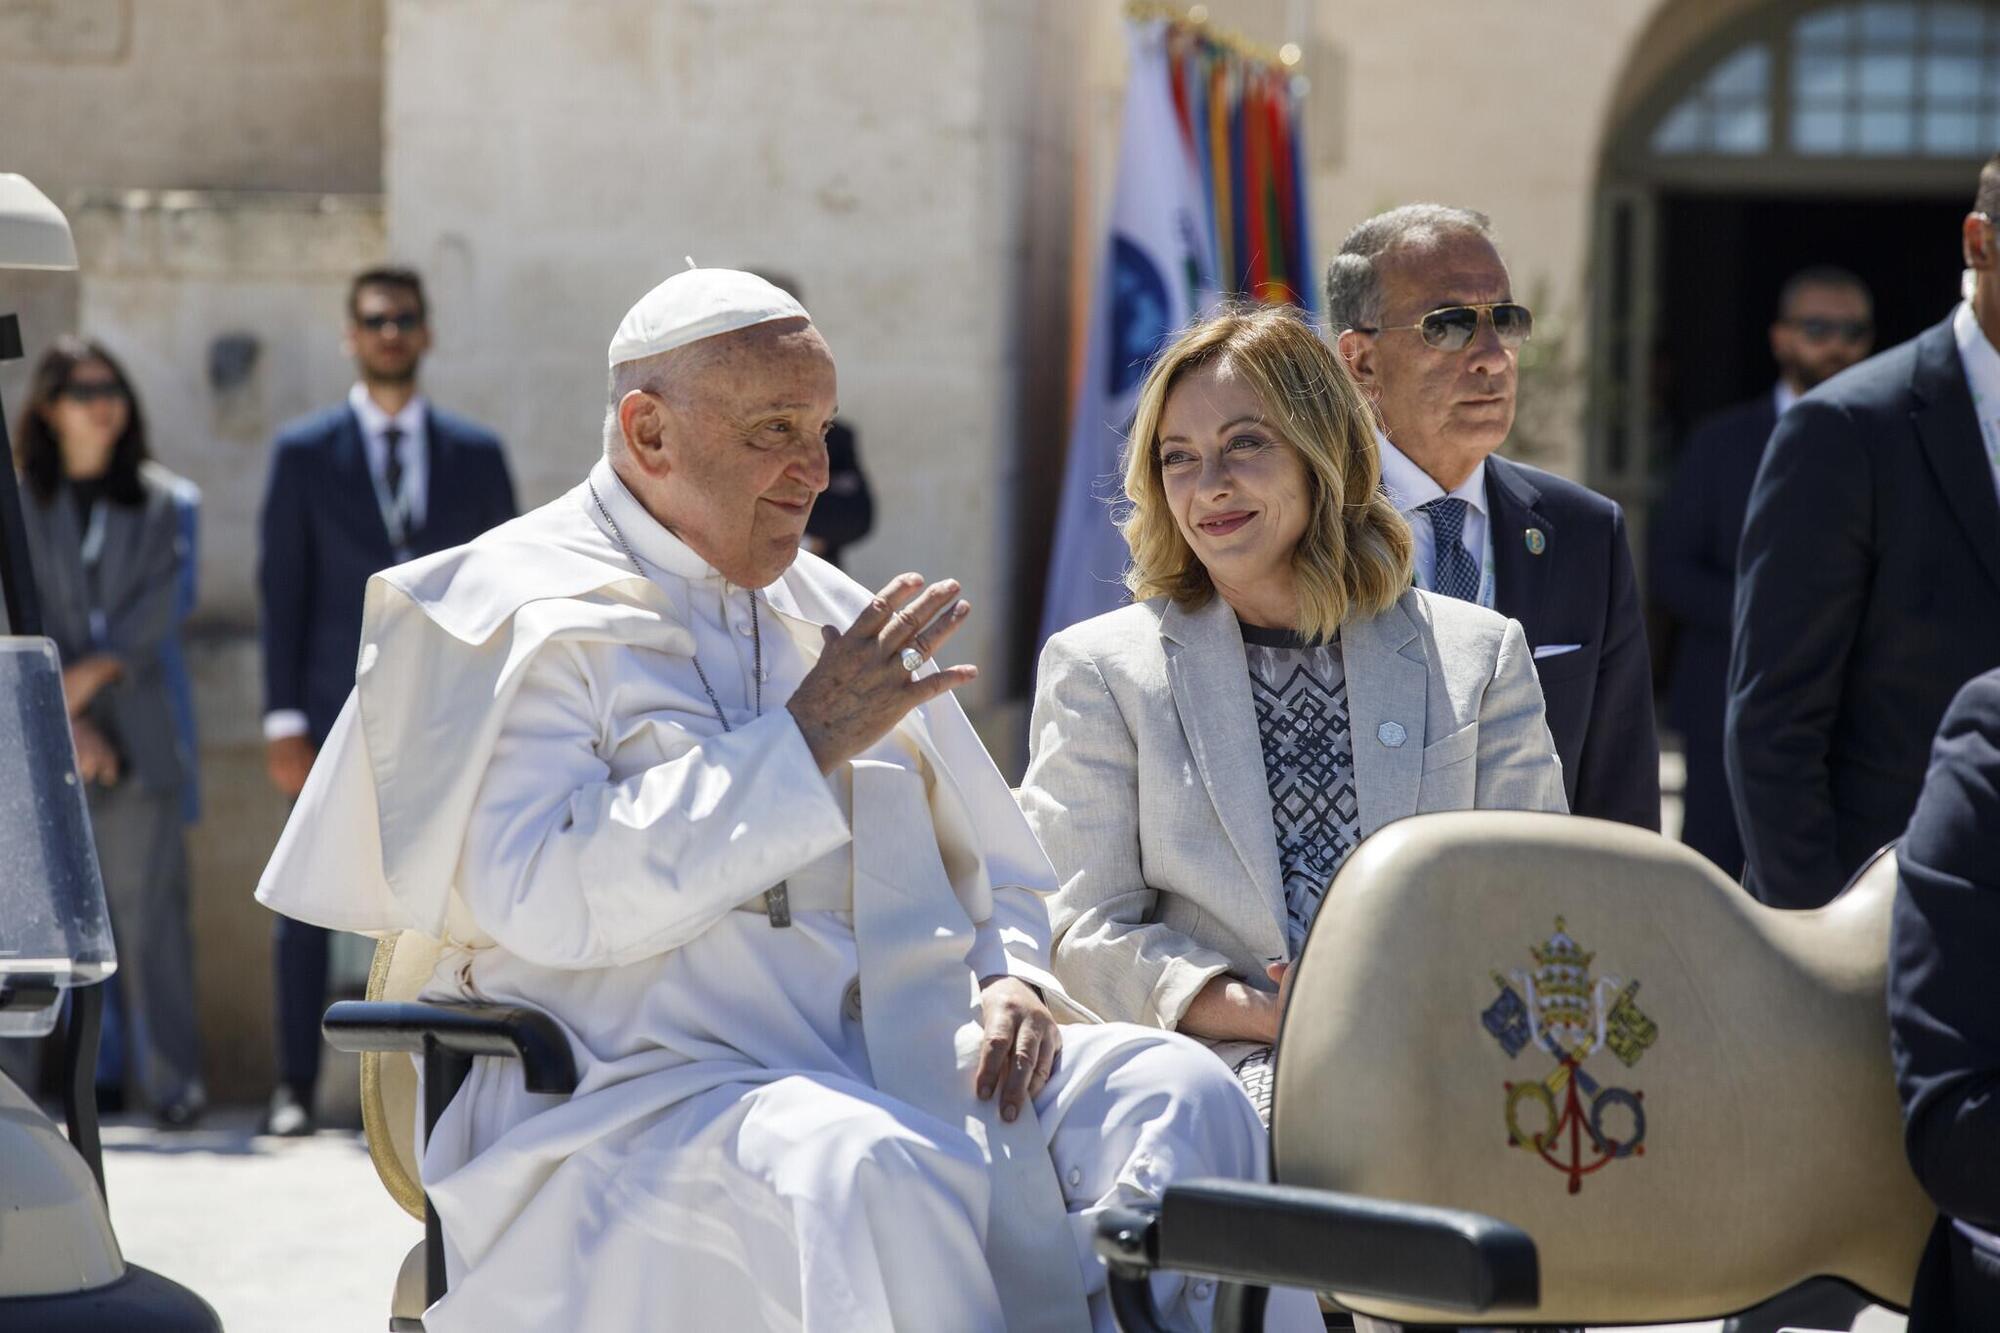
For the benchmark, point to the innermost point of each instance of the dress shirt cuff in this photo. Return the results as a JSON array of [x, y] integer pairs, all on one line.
[[1180, 981], [285, 723]]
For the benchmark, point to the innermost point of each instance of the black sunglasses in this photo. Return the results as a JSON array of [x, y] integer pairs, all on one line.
[[1820, 330], [1452, 328], [405, 323], [92, 391]]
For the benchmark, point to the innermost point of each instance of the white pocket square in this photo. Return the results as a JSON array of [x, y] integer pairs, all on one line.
[[1555, 650]]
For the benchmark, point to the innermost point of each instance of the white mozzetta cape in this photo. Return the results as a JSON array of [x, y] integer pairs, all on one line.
[[374, 842]]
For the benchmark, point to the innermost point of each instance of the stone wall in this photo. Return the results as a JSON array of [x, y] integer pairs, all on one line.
[[907, 162], [192, 94], [227, 310]]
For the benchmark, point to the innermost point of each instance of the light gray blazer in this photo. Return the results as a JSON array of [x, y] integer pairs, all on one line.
[[1146, 779]]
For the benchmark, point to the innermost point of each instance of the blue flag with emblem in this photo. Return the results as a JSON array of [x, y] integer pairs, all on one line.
[[1156, 274]]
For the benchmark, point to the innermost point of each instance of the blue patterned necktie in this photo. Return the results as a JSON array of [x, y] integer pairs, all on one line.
[[1454, 572]]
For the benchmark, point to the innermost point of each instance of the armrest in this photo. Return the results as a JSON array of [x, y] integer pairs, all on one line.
[[527, 1035], [1281, 1235]]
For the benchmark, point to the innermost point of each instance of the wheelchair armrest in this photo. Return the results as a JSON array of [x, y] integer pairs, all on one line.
[[1282, 1235], [527, 1035]]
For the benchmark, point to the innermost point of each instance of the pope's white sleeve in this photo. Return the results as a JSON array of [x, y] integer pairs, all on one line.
[[1014, 940], [566, 868]]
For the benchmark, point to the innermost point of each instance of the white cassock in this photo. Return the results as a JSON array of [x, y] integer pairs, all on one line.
[[774, 1127]]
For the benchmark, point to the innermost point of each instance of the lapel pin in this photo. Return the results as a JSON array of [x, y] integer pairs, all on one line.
[[1537, 543], [1391, 734]]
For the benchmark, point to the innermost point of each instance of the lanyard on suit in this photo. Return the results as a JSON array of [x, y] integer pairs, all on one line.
[[93, 553]]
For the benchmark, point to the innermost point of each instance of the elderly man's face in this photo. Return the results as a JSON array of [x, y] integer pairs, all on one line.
[[1438, 404], [742, 449]]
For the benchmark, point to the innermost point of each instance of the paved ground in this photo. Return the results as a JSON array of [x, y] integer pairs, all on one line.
[[288, 1235], [279, 1235]]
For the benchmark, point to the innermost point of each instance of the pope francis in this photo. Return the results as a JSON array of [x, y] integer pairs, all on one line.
[[641, 763]]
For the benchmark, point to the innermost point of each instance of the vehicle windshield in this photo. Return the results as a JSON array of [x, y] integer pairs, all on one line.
[[54, 930]]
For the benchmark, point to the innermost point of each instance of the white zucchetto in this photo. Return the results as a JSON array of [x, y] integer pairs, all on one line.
[[697, 304]]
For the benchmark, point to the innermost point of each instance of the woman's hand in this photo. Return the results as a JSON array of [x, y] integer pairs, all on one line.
[[1018, 1052], [1227, 1009], [96, 760], [1282, 974], [85, 678]]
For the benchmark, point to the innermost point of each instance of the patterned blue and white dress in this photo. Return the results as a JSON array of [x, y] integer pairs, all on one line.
[[1299, 688]]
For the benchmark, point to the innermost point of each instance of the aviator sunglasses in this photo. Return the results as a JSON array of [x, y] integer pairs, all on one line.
[[1451, 328]]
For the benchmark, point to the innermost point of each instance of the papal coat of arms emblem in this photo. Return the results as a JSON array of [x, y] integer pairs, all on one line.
[[1574, 1123]]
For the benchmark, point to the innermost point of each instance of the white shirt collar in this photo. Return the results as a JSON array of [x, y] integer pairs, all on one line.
[[653, 543], [1410, 487], [374, 420], [1784, 396], [1979, 357]]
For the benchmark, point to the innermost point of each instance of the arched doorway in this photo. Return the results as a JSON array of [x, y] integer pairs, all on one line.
[[1846, 132]]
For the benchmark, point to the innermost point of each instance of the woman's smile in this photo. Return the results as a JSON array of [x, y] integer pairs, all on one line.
[[1221, 525]]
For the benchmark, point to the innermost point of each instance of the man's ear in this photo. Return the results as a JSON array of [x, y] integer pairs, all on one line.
[[1981, 250], [1357, 352], [642, 417]]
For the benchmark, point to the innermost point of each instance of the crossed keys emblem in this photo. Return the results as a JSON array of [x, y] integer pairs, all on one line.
[[1568, 1118]]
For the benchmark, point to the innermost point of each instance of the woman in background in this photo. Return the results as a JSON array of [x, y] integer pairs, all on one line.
[[104, 538]]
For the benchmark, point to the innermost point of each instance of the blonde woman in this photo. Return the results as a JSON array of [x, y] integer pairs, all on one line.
[[1203, 760]]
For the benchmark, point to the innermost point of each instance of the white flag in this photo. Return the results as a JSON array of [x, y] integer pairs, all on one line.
[[1155, 274]]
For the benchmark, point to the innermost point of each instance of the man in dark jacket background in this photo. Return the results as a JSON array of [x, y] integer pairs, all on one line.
[[1868, 589], [1825, 324], [378, 480]]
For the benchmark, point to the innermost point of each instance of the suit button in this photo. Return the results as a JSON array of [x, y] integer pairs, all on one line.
[[850, 1003], [1391, 734], [1076, 1177]]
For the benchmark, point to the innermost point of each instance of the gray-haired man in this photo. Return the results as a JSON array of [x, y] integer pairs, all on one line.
[[1426, 319]]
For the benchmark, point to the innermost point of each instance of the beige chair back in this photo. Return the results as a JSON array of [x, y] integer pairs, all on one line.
[[402, 967], [1684, 1097]]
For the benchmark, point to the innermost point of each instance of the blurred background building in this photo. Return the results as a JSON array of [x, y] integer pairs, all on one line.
[[932, 172]]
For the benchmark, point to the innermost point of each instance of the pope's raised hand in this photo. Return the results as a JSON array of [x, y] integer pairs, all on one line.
[[860, 688]]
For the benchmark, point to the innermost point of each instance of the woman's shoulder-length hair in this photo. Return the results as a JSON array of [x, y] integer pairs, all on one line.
[[1355, 556], [37, 452]]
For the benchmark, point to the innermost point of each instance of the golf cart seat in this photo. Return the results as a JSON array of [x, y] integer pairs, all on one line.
[[1682, 1097], [391, 1026]]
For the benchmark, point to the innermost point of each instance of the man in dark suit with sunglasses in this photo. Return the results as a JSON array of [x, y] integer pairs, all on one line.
[[1426, 320], [1868, 588], [378, 480], [1825, 324]]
